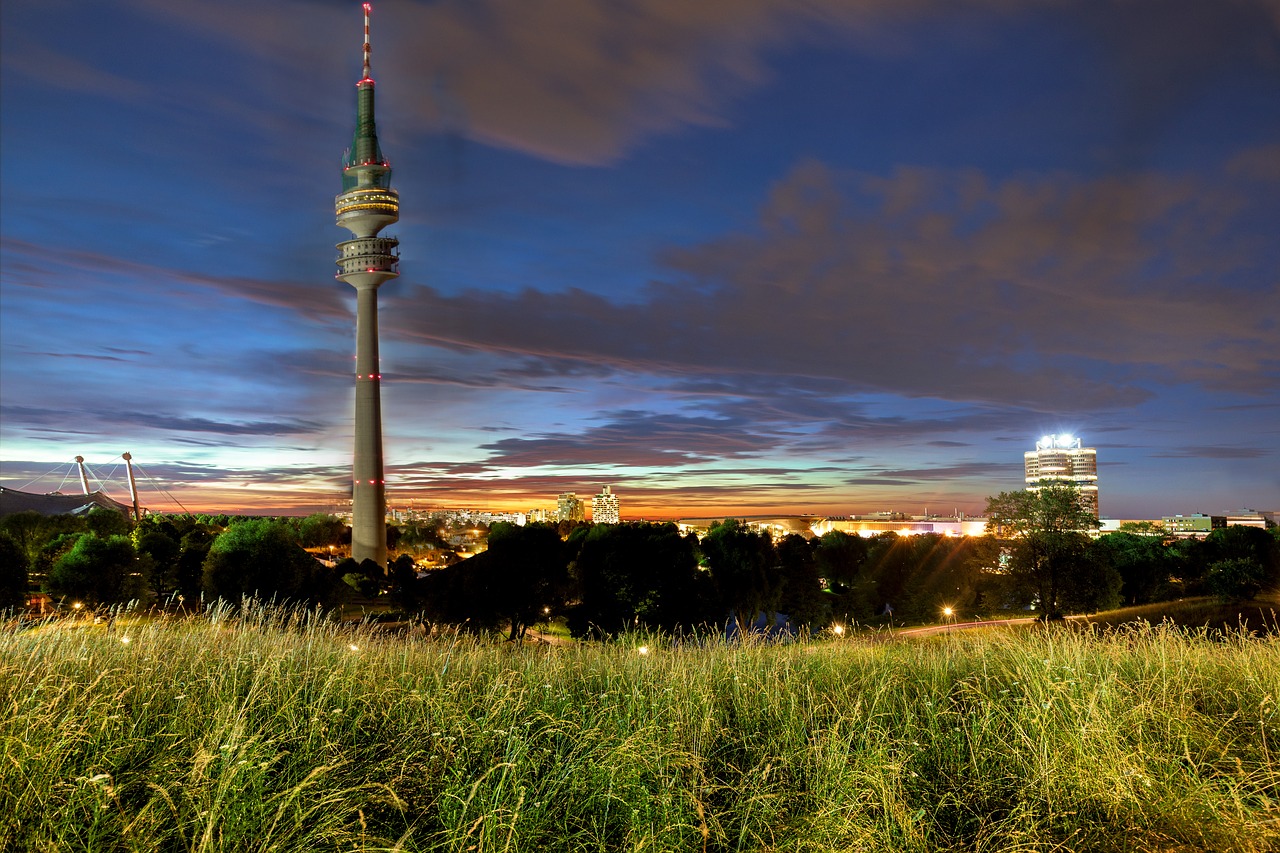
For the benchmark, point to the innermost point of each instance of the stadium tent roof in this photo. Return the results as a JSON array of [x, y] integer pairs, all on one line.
[[56, 503]]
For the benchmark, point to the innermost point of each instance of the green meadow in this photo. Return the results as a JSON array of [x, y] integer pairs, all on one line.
[[281, 732]]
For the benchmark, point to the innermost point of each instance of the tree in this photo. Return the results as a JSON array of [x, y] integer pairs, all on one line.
[[164, 552], [1044, 531], [195, 544], [1092, 584], [942, 572], [839, 558], [1144, 563], [566, 528], [744, 566], [889, 566], [403, 575], [637, 573], [802, 598], [262, 558], [842, 560], [420, 536], [1239, 542], [365, 577], [523, 571], [97, 570], [1236, 578], [13, 573], [321, 530], [32, 531], [107, 522]]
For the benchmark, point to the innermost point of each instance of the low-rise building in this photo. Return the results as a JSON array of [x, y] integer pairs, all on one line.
[[1196, 525]]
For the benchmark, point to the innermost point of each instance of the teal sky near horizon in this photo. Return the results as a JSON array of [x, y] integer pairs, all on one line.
[[730, 257]]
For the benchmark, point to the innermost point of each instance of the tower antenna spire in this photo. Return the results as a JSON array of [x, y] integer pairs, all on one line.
[[368, 48]]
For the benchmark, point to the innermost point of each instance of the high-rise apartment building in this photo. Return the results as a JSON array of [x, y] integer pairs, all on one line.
[[1062, 459], [569, 507], [604, 507]]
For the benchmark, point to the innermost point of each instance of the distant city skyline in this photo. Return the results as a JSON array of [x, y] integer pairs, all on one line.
[[742, 259]]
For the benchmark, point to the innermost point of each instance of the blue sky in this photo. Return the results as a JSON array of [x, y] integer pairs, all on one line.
[[736, 256]]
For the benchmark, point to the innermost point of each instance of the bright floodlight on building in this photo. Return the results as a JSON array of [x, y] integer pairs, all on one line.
[[366, 205]]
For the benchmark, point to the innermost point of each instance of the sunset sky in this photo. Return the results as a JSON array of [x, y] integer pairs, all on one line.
[[726, 256]]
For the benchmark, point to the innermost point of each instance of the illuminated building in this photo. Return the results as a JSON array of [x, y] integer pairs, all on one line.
[[1250, 518], [366, 205], [570, 508], [1194, 525], [869, 526], [604, 507], [1062, 459]]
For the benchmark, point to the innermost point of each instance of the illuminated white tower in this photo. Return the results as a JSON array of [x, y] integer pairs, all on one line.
[[366, 205], [1061, 459]]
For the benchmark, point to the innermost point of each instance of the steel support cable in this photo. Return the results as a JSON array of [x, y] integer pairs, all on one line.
[[159, 488], [47, 473]]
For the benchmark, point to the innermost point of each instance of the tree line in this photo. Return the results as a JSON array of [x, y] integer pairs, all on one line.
[[604, 579], [102, 558]]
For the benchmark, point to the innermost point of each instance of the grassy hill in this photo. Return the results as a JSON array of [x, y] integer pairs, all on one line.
[[1261, 616], [277, 732]]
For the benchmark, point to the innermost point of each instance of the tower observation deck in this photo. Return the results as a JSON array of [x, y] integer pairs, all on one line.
[[366, 205]]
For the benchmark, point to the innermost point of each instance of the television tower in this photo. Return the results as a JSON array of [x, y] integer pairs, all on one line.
[[366, 205]]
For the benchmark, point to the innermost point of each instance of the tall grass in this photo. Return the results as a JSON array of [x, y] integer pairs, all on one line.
[[278, 732]]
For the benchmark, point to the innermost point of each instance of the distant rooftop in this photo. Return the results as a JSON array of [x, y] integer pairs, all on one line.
[[55, 503]]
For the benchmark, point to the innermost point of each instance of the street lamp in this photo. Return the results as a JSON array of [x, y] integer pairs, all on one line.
[[838, 630]]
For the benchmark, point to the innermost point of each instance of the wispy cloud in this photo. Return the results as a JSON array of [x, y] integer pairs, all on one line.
[[1216, 452]]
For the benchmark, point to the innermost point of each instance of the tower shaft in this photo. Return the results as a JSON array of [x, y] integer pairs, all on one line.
[[368, 498]]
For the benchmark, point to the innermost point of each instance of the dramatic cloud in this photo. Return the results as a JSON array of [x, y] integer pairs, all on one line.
[[585, 81], [1037, 291]]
